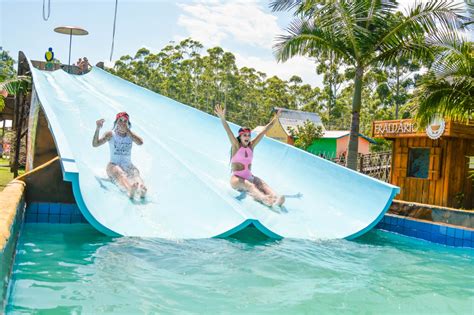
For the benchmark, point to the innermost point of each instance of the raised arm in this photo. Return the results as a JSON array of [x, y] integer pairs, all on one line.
[[220, 112], [265, 130], [96, 141], [135, 138]]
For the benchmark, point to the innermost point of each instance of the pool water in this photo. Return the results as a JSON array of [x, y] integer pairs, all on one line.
[[71, 269]]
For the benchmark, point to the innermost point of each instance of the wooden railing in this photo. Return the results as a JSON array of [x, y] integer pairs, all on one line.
[[375, 165]]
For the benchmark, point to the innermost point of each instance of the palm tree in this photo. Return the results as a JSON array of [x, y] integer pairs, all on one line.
[[448, 89], [364, 34], [13, 86]]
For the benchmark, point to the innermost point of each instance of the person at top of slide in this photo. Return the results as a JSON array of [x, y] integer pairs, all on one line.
[[120, 168], [242, 150]]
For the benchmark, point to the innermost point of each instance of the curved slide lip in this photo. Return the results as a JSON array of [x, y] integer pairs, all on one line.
[[71, 173], [76, 189], [247, 223], [68, 163], [395, 191], [69, 166]]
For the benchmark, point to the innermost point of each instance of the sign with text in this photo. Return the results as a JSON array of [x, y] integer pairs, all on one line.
[[394, 128]]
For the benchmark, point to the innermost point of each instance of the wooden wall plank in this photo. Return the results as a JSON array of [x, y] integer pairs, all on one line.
[[448, 162], [430, 199], [457, 175], [438, 193], [425, 191], [469, 187]]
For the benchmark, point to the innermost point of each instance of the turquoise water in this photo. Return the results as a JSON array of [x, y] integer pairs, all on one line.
[[71, 269]]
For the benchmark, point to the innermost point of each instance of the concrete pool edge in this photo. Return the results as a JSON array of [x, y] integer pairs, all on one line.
[[12, 202]]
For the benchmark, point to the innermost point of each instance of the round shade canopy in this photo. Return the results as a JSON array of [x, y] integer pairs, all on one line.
[[71, 30]]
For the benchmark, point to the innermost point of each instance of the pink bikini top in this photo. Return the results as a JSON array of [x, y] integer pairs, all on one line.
[[244, 156]]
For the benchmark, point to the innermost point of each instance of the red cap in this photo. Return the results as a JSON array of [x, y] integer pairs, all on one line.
[[244, 130], [120, 115]]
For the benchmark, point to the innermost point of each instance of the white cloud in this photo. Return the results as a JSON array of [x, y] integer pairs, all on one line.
[[301, 66], [244, 21], [247, 24], [109, 64]]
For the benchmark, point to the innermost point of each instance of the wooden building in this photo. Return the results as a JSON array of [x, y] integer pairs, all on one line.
[[430, 165]]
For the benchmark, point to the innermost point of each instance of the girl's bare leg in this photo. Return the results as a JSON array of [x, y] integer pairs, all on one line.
[[243, 184], [141, 187], [135, 177], [263, 186], [120, 177]]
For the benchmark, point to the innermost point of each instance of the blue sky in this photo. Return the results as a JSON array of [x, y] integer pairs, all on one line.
[[247, 28]]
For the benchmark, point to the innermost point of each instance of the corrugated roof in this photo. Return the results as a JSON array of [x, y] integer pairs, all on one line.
[[294, 118], [335, 133]]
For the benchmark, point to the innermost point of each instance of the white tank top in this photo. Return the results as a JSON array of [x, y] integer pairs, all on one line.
[[120, 149]]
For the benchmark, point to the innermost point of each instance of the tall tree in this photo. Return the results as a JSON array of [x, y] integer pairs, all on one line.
[[6, 66], [180, 72], [333, 79], [364, 34]]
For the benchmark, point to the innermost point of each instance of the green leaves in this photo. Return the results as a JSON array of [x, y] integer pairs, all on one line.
[[6, 66], [16, 86], [305, 38], [181, 72], [366, 34], [306, 134], [448, 90]]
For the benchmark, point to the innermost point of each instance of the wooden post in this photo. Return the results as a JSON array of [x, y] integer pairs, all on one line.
[[19, 103], [3, 131], [361, 163]]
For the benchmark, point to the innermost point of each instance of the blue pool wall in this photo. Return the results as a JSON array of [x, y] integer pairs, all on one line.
[[441, 233], [44, 212]]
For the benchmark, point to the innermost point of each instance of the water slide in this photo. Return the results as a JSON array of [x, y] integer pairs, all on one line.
[[185, 164]]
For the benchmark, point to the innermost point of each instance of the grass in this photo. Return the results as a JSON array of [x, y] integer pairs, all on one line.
[[5, 175]]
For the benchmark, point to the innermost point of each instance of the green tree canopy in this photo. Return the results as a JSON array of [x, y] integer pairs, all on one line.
[[363, 34], [306, 134]]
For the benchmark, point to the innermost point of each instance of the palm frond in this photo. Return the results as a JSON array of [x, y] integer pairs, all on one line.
[[16, 85], [411, 48], [455, 55], [448, 99], [377, 10], [284, 5], [304, 38], [345, 18], [302, 8], [423, 18]]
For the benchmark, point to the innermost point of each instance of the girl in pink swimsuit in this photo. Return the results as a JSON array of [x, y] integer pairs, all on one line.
[[120, 168], [242, 154]]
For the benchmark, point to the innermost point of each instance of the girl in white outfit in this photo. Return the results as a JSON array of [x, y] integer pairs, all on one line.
[[120, 168]]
